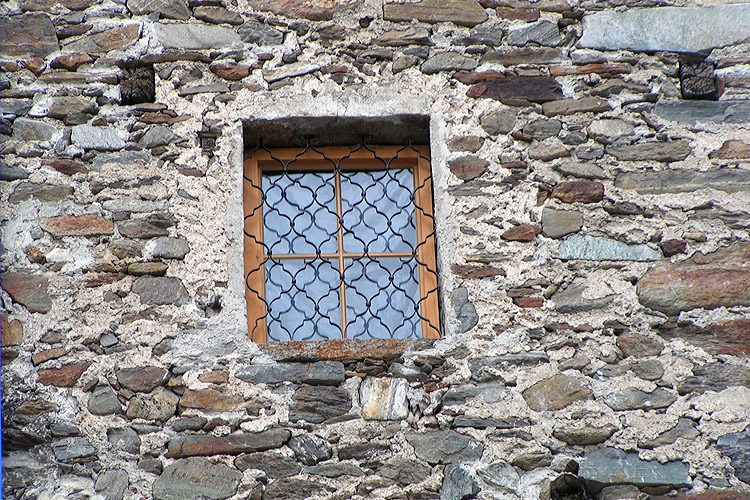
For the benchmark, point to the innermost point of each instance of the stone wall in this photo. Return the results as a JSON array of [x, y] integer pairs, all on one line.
[[592, 183]]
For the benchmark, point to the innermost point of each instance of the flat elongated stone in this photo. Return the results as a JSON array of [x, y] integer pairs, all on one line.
[[572, 106], [289, 71], [313, 10], [556, 393], [540, 33], [579, 192], [608, 466], [448, 61], [444, 447], [195, 36], [736, 446], [732, 149], [170, 9], [669, 29], [322, 373], [398, 38], [25, 129], [729, 180], [584, 436], [518, 90], [715, 377], [274, 464], [111, 39], [659, 151], [83, 225], [233, 444], [571, 300], [211, 400], [524, 55], [41, 192], [310, 449], [586, 247], [384, 398], [65, 376], [28, 35], [724, 337], [719, 279], [636, 399], [522, 232], [196, 479], [28, 290], [260, 34], [685, 428], [73, 449], [461, 12], [559, 223]]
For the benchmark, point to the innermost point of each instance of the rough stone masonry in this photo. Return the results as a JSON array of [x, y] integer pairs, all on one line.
[[591, 162]]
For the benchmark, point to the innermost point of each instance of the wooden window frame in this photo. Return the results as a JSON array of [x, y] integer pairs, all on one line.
[[348, 159]]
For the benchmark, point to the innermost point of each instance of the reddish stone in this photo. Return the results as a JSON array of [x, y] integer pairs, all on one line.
[[639, 346], [719, 279], [233, 444], [732, 150], [230, 70], [111, 39], [34, 255], [9, 66], [461, 12], [464, 271], [726, 337], [65, 376], [342, 349], [472, 77], [217, 15], [12, 331], [588, 68], [467, 168], [522, 232], [28, 35], [147, 269], [314, 10], [65, 166], [28, 290], [514, 165], [34, 64], [47, 354], [517, 14], [673, 247], [572, 106], [210, 399], [214, 377], [579, 191], [71, 62], [83, 225], [529, 302], [103, 279], [71, 30], [518, 90]]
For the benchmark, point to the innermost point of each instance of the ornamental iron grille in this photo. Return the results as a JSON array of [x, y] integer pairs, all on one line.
[[340, 243]]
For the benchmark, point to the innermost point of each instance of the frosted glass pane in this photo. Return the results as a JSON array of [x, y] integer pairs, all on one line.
[[303, 300], [382, 298], [299, 213]]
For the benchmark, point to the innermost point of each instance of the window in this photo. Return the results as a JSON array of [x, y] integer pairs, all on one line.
[[340, 243]]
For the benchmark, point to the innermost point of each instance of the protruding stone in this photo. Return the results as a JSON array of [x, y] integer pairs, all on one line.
[[608, 131], [544, 33], [232, 444], [195, 36], [579, 192], [40, 192], [140, 228], [83, 225], [12, 332], [26, 130], [685, 429], [715, 377], [310, 449], [73, 449], [458, 483], [732, 150], [572, 106], [585, 436], [558, 223], [556, 393], [168, 9], [159, 405], [465, 311], [320, 373], [168, 248], [638, 345], [522, 232], [498, 121], [29, 290], [609, 466], [274, 464], [196, 479], [65, 376], [585, 247], [147, 269], [289, 71], [384, 398], [110, 39], [518, 90], [104, 401], [160, 291], [445, 447], [260, 34], [316, 404], [467, 168], [313, 10], [28, 35], [157, 136], [217, 15], [736, 446], [723, 337], [719, 279], [448, 61], [636, 399], [405, 472], [99, 138], [294, 489], [142, 378], [461, 12], [416, 35]]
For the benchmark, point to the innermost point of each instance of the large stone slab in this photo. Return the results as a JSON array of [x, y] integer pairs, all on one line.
[[28, 35], [160, 290], [321, 373], [99, 138], [384, 398], [719, 279], [196, 479], [636, 399], [693, 112], [110, 39], [29, 290], [195, 36], [82, 225], [657, 151], [314, 10], [608, 466], [715, 377], [729, 180], [736, 446], [584, 247], [461, 12], [171, 9], [25, 129], [518, 90], [142, 378], [159, 405], [724, 337], [317, 404], [556, 393], [670, 29], [445, 447], [233, 444]]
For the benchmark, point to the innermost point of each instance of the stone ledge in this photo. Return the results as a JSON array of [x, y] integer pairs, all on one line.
[[343, 349]]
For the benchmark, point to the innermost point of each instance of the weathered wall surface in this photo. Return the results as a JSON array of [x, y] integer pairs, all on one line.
[[592, 186]]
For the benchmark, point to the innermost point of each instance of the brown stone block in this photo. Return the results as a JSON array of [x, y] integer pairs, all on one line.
[[66, 166], [65, 376], [725, 337], [211, 400], [519, 90], [732, 150], [40, 357], [517, 14], [233, 444], [579, 191], [719, 279], [28, 35], [28, 290], [522, 232], [461, 12], [588, 68], [466, 271], [12, 331], [110, 39], [314, 10], [556, 393], [572, 106], [71, 62], [529, 302], [230, 70], [83, 225], [467, 168]]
